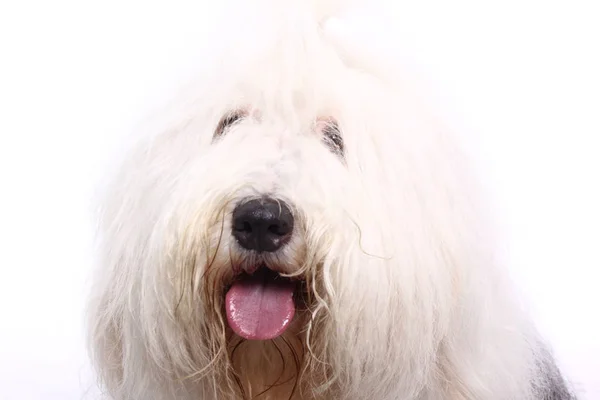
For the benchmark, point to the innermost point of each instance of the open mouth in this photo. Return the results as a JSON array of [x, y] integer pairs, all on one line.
[[261, 306]]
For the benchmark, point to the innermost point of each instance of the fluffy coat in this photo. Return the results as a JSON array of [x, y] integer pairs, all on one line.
[[405, 294]]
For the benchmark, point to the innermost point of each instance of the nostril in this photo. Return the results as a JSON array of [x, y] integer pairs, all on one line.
[[279, 230], [242, 226]]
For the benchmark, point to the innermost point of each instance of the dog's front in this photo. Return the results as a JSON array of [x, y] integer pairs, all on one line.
[[303, 230]]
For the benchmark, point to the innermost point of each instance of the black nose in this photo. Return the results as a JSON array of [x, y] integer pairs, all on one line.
[[263, 224]]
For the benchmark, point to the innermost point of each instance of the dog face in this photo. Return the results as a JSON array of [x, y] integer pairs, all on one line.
[[301, 230], [262, 223]]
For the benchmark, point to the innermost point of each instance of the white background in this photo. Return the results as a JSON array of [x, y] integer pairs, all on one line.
[[76, 76]]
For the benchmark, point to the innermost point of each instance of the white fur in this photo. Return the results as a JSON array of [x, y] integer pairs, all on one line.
[[408, 298]]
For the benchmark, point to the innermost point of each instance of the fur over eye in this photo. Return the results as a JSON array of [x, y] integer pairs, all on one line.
[[228, 120], [331, 135]]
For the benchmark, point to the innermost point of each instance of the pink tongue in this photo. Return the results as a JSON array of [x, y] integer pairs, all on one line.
[[260, 307]]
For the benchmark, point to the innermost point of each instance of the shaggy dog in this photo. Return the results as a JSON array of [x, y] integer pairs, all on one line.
[[304, 229]]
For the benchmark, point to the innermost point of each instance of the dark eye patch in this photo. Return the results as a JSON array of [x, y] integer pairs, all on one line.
[[228, 121], [332, 137]]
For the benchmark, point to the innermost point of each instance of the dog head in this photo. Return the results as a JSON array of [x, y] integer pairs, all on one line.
[[289, 231]]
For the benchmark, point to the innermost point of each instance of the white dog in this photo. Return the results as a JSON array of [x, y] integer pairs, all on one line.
[[304, 230]]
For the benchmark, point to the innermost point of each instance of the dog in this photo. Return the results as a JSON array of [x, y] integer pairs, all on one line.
[[303, 228]]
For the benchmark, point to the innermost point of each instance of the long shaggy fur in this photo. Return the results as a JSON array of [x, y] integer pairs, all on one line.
[[404, 296]]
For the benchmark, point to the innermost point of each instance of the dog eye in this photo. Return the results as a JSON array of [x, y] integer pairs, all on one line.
[[228, 121], [332, 137]]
